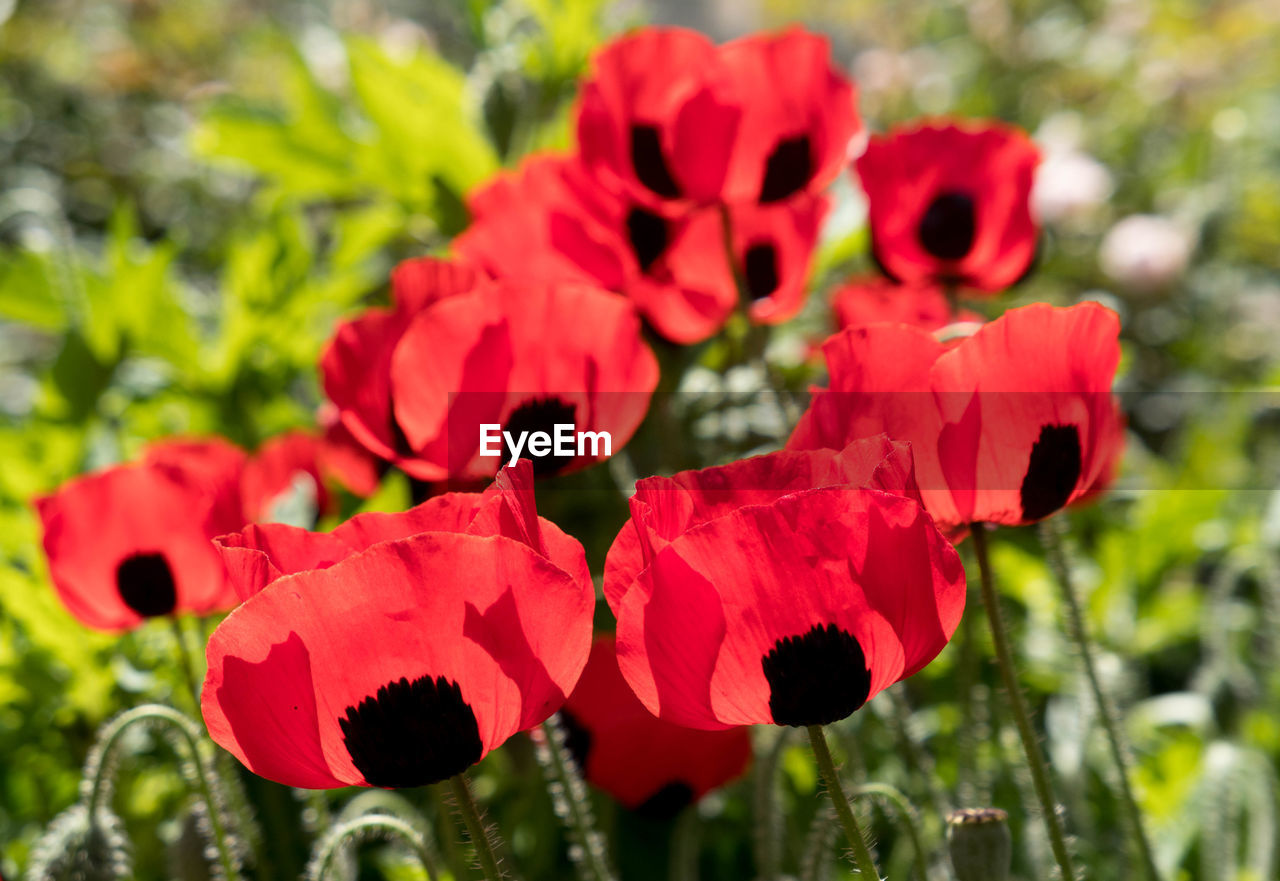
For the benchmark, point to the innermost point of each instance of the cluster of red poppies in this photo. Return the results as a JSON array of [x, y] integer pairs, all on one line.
[[790, 588]]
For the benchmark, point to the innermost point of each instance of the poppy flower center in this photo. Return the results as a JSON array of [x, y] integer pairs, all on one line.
[[760, 266], [647, 234], [667, 801], [649, 163], [816, 678], [412, 733], [1053, 471], [948, 226], [787, 170], [542, 414], [145, 583]]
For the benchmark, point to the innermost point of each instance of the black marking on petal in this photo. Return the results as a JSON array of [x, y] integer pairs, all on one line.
[[649, 163], [948, 226], [666, 802], [647, 235], [412, 733], [788, 169], [760, 266], [541, 414], [816, 678], [146, 584], [1052, 472]]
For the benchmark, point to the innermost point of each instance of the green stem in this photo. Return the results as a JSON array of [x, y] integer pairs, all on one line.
[[765, 786], [862, 857], [1050, 536], [382, 824], [474, 824], [185, 661], [684, 846], [570, 797], [1030, 745], [906, 814], [186, 729]]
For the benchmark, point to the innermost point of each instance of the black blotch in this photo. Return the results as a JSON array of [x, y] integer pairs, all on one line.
[[412, 733], [648, 236], [1053, 472], [649, 163], [760, 266], [577, 739], [817, 678], [542, 414], [145, 583], [948, 226], [666, 802], [787, 170]]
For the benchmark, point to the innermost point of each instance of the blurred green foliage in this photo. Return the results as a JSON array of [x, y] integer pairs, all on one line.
[[191, 192]]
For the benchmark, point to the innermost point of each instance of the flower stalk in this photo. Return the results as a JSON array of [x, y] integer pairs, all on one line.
[[99, 771], [1051, 538], [862, 857], [571, 800], [1017, 703], [486, 857], [382, 826]]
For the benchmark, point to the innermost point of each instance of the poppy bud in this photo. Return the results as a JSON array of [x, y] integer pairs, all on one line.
[[980, 846]]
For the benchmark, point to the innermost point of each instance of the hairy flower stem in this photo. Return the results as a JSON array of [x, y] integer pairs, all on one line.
[[362, 828], [862, 857], [906, 815], [1051, 538], [571, 800], [765, 797], [1017, 703], [474, 824], [205, 781]]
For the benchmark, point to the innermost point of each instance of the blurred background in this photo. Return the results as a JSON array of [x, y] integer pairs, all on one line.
[[192, 191]]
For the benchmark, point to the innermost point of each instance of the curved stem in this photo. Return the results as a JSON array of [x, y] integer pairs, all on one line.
[[474, 824], [764, 797], [390, 827], [1050, 536], [569, 795], [152, 713], [906, 813], [862, 857], [1030, 745]]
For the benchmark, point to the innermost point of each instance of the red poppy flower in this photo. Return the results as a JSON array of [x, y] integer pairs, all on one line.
[[1007, 425], [552, 220], [356, 365], [282, 467], [527, 358], [131, 542], [344, 458], [213, 467], [650, 766], [951, 204], [876, 300], [785, 588], [400, 661], [678, 120]]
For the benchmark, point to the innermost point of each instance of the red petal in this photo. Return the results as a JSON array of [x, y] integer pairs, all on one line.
[[93, 523], [510, 628]]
